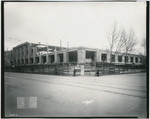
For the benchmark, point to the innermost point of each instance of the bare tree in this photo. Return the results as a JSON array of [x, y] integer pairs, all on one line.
[[120, 40], [112, 37], [116, 39], [128, 42], [143, 44]]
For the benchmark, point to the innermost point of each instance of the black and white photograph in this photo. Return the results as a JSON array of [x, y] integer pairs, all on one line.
[[75, 59]]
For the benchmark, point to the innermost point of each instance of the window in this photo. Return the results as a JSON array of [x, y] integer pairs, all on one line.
[[73, 56], [31, 51], [22, 61], [119, 58], [113, 58], [26, 61], [44, 59], [18, 61], [136, 60], [141, 60], [37, 59], [104, 57], [15, 62], [90, 55], [61, 57], [131, 59], [31, 60], [52, 58], [11, 63], [126, 58]]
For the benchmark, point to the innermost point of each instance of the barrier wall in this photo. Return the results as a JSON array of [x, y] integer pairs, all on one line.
[[69, 69]]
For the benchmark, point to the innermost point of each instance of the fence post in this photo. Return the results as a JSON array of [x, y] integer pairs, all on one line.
[[49, 69], [114, 69], [68, 68], [103, 68], [43, 68], [62, 68]]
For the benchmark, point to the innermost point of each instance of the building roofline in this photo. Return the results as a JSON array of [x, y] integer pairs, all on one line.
[[79, 47], [21, 44], [38, 44]]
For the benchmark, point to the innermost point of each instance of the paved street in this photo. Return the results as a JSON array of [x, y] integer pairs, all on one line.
[[113, 95]]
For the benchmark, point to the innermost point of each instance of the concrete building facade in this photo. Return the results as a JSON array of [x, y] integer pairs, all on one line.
[[8, 58], [32, 54]]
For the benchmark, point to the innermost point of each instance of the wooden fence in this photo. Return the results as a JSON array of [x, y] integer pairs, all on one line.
[[69, 69]]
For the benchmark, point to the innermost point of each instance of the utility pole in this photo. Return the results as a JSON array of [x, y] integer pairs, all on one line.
[[68, 56], [47, 47], [68, 50], [60, 43], [68, 45]]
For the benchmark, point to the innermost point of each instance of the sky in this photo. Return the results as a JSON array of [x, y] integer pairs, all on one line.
[[79, 23]]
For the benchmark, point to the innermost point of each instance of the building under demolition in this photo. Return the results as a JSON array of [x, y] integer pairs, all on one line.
[[34, 55]]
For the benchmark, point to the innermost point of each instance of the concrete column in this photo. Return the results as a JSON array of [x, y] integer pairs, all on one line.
[[64, 56], [81, 56], [98, 55], [34, 54], [58, 58], [67, 56], [20, 56], [24, 52], [40, 59], [29, 53], [55, 56], [116, 58], [13, 57], [129, 59], [108, 57], [133, 59], [16, 53], [123, 59], [47, 58]]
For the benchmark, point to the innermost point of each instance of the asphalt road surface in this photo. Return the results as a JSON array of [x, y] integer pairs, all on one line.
[[62, 96]]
